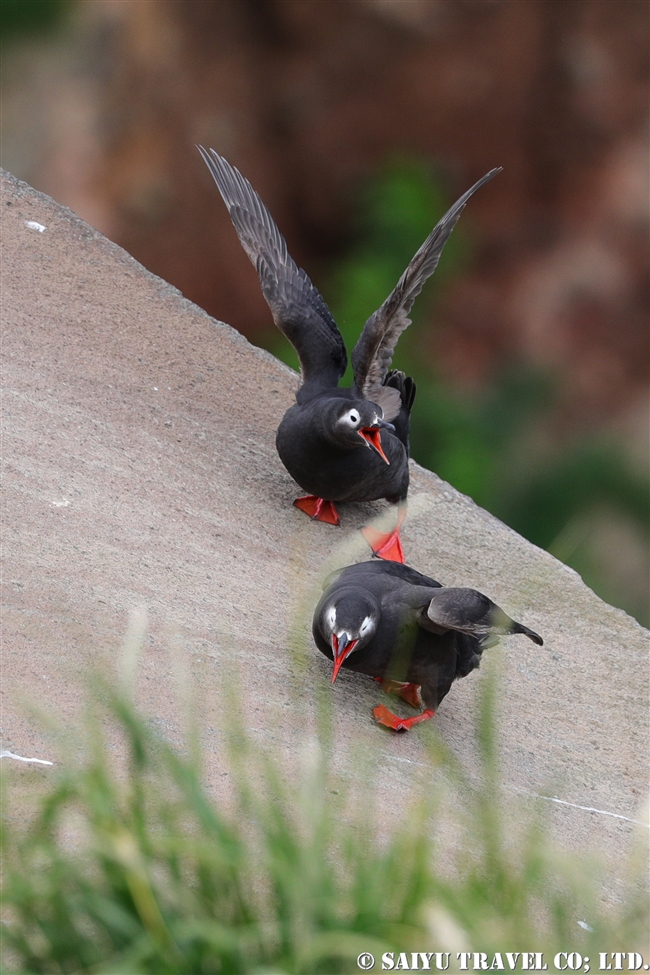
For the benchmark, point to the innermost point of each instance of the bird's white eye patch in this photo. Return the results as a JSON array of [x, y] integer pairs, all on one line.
[[365, 626], [351, 418], [330, 617]]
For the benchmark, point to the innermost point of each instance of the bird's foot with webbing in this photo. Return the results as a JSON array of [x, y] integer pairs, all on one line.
[[318, 508], [385, 545], [385, 717], [407, 691]]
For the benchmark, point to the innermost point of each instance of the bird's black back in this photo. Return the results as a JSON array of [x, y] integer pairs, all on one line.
[[394, 571]]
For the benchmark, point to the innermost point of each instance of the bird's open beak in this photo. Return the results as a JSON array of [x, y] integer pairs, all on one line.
[[372, 436], [341, 648]]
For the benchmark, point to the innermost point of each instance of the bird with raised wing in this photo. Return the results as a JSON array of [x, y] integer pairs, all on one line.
[[407, 631], [339, 444]]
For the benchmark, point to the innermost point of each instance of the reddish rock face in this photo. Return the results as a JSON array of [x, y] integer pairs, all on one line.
[[308, 99]]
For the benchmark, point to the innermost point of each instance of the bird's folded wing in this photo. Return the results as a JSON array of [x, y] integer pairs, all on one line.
[[469, 611], [373, 352], [298, 308], [466, 610]]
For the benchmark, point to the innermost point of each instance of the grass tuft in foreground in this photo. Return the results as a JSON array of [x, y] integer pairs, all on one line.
[[141, 871]]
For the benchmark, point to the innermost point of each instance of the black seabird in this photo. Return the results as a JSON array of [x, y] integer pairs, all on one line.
[[407, 631], [338, 444]]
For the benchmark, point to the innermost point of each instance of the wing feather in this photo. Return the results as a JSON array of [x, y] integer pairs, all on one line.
[[298, 308], [473, 613], [373, 353]]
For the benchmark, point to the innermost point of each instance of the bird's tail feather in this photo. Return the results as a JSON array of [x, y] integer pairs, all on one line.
[[535, 637], [404, 384]]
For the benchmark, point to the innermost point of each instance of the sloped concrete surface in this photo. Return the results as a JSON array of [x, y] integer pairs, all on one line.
[[140, 470]]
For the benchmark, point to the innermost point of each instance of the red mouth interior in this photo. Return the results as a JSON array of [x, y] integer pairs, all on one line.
[[372, 435]]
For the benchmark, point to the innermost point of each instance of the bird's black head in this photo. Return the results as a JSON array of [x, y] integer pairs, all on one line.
[[355, 423], [348, 620]]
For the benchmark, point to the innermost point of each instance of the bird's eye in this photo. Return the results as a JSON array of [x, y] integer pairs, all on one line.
[[352, 417], [365, 626], [331, 617]]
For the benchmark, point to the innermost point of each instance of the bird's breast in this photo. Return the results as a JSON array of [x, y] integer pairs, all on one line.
[[335, 472]]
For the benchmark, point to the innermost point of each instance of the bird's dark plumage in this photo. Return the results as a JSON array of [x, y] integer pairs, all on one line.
[[338, 444], [405, 629]]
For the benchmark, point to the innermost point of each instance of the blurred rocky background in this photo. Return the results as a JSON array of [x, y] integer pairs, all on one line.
[[359, 122]]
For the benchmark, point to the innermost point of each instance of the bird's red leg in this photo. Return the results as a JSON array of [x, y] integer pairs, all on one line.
[[318, 508], [408, 692], [386, 545], [383, 716]]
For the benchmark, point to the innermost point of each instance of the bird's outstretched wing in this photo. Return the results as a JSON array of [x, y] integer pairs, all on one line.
[[469, 611], [373, 353], [298, 308]]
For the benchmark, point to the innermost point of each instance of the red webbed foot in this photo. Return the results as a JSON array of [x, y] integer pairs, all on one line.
[[318, 508], [408, 692], [385, 545], [383, 716]]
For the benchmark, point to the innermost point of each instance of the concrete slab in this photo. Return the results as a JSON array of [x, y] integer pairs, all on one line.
[[140, 470]]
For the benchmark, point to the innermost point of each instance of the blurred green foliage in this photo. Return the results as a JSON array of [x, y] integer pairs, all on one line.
[[129, 865], [25, 17], [496, 444]]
